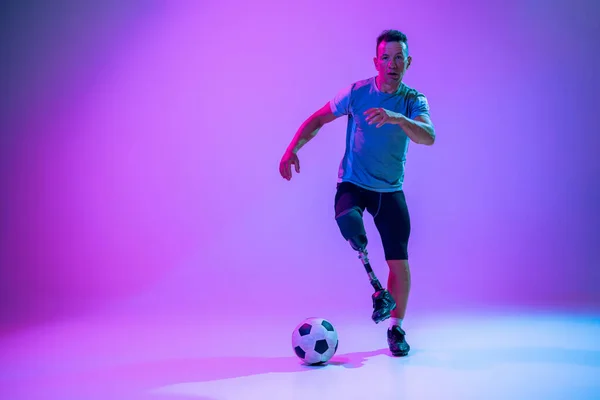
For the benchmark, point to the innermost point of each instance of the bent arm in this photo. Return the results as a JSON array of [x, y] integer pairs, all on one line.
[[311, 127], [420, 130]]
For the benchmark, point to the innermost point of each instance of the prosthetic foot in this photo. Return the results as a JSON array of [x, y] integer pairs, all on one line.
[[352, 228], [383, 302]]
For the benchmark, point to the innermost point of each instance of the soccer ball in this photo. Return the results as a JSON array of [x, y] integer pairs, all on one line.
[[315, 341]]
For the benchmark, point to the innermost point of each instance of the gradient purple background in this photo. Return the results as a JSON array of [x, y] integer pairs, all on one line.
[[140, 144]]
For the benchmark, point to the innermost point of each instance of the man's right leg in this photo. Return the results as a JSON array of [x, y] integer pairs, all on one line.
[[349, 207]]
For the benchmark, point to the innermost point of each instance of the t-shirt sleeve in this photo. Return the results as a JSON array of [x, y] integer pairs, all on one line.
[[419, 107], [340, 104]]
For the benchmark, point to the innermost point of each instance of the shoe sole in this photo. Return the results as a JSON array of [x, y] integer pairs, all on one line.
[[381, 319]]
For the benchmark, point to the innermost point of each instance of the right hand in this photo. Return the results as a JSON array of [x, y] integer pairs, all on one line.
[[285, 165]]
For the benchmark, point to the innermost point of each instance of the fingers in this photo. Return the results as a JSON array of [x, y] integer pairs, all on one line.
[[377, 118], [372, 113], [375, 115], [284, 170], [374, 119], [285, 167]]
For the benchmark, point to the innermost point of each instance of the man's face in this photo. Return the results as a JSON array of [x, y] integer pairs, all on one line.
[[391, 61]]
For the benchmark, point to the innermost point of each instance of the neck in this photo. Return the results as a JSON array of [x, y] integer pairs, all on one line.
[[386, 87]]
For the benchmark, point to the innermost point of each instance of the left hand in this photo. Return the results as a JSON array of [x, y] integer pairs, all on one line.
[[381, 116]]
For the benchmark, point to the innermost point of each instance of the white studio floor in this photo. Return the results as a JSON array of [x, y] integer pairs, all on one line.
[[501, 356]]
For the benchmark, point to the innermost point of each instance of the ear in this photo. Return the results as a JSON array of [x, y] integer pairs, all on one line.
[[375, 62], [408, 61]]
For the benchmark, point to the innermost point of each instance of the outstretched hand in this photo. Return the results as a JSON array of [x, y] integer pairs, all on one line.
[[285, 165], [380, 116]]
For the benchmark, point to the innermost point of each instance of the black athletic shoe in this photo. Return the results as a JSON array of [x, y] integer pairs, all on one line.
[[397, 342], [383, 304]]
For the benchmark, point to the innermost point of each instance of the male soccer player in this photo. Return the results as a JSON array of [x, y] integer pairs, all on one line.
[[384, 115]]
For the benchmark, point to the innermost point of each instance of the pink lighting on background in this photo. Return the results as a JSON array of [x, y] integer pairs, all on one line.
[[149, 248], [140, 147]]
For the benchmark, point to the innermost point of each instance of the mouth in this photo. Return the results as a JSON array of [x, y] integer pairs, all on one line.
[[393, 75]]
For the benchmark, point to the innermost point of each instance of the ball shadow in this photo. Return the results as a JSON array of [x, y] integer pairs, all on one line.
[[142, 377]]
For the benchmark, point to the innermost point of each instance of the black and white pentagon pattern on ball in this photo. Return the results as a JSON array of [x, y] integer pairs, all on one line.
[[315, 340]]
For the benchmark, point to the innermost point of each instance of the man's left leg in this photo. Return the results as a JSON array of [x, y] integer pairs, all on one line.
[[393, 223], [399, 286]]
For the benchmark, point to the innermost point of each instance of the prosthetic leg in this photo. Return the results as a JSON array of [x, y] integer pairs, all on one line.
[[352, 228]]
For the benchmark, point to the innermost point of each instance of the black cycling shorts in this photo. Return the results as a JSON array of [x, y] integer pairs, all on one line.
[[389, 212]]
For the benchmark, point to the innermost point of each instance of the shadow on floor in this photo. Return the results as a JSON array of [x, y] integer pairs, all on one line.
[[146, 376]]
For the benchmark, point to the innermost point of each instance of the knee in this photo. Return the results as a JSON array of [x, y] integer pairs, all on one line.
[[399, 267]]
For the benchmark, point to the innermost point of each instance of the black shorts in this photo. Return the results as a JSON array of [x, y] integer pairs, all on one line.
[[389, 212]]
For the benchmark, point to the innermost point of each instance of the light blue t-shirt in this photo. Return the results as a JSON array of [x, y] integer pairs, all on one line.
[[375, 157]]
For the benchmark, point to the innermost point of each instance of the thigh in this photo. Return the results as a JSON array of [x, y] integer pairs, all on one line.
[[393, 223], [349, 196]]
